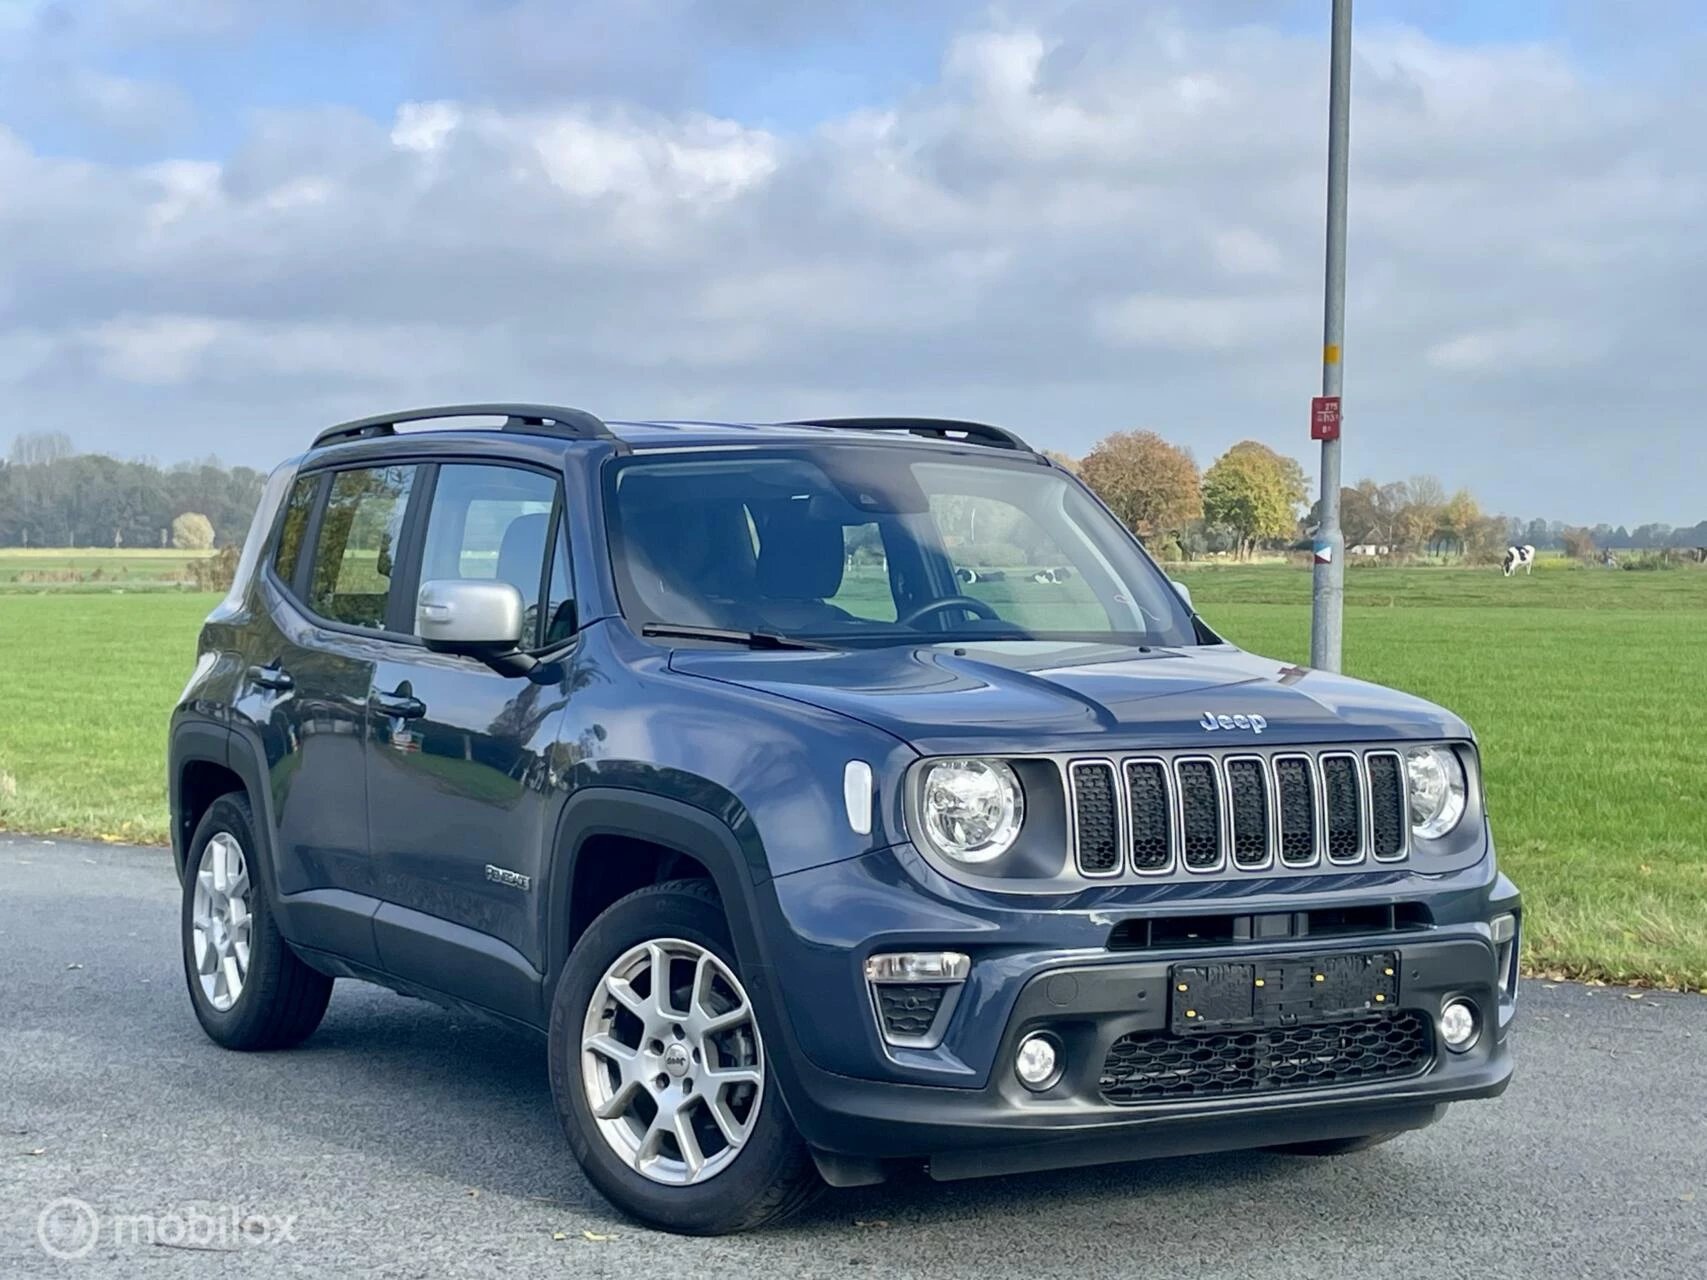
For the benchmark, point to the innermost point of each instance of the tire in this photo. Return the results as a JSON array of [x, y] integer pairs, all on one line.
[[1334, 1146], [764, 1178], [279, 1000]]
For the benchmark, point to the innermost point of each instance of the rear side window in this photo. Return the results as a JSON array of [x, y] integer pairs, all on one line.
[[355, 555], [295, 525], [495, 523]]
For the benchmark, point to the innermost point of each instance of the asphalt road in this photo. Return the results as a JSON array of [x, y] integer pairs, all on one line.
[[406, 1141]]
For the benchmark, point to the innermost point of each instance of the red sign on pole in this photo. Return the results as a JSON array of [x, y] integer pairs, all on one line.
[[1324, 417]]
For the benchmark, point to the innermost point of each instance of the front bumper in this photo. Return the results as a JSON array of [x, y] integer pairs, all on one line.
[[860, 1102]]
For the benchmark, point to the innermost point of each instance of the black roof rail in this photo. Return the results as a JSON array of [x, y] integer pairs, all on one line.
[[538, 419], [951, 429]]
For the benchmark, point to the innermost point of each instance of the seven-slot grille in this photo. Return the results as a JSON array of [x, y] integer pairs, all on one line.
[[1203, 814]]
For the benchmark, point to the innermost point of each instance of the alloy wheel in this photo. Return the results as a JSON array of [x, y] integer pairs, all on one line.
[[671, 1061], [220, 920]]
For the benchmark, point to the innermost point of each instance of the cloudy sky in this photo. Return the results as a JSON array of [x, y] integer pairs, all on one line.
[[224, 224]]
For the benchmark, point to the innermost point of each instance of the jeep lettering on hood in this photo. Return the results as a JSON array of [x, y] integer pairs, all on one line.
[[1029, 697]]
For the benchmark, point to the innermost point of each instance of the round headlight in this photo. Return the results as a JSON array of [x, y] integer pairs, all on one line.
[[1438, 790], [971, 809]]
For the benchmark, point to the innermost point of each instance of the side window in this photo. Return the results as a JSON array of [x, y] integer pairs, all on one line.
[[295, 525], [495, 523], [865, 591], [355, 554], [560, 599], [1004, 557]]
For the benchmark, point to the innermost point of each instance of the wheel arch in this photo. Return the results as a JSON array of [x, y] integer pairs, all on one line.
[[597, 821]]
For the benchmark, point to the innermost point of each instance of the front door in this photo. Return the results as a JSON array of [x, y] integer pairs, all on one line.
[[460, 810]]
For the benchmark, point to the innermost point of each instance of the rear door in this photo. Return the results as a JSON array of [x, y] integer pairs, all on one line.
[[331, 588], [460, 809]]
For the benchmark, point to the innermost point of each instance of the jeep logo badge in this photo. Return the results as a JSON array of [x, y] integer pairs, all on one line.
[[1212, 722]]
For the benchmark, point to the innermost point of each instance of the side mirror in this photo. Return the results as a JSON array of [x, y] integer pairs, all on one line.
[[1184, 593], [474, 618]]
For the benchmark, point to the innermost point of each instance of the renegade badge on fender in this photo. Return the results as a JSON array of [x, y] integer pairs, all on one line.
[[830, 796]]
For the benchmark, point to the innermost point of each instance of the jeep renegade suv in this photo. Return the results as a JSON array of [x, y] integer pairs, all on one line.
[[830, 795]]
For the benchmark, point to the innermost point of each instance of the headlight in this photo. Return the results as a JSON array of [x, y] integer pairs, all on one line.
[[1438, 790], [971, 809]]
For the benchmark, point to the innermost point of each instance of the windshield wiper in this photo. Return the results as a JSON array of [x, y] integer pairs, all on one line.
[[752, 639]]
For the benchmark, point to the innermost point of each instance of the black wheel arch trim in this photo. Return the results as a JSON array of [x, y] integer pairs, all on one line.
[[193, 741]]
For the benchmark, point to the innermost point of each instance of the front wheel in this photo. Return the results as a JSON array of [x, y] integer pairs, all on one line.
[[659, 1074]]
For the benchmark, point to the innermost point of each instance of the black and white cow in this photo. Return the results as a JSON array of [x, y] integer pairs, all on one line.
[[1519, 558]]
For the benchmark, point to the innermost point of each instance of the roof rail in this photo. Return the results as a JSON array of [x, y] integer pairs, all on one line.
[[538, 419], [950, 429]]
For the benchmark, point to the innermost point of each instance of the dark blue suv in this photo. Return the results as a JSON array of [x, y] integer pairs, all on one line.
[[831, 795]]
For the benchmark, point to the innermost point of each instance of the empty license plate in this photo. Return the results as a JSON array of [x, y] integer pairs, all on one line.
[[1281, 992]]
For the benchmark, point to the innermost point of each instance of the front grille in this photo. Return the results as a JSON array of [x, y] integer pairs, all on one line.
[[1163, 1068], [1247, 791], [1152, 822], [1172, 815], [1096, 811], [1199, 814], [1295, 785], [1389, 824], [1343, 799], [908, 1009]]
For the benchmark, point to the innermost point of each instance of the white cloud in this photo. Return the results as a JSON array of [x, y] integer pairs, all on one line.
[[1108, 218]]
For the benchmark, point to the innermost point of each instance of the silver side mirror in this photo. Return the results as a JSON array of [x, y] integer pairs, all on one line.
[[1184, 593], [470, 616]]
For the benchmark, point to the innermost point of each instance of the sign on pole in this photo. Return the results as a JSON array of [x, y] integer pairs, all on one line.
[[1324, 417]]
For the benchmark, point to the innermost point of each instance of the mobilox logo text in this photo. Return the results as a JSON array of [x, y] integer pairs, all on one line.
[[73, 1228]]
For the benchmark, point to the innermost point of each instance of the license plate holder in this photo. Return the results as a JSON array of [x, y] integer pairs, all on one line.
[[1281, 991]]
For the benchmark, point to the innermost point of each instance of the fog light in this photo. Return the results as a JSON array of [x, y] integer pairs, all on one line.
[[1038, 1062], [1458, 1025]]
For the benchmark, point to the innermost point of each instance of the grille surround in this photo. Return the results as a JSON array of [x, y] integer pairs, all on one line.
[[1326, 763], [1081, 791], [1147, 1068], [1239, 809]]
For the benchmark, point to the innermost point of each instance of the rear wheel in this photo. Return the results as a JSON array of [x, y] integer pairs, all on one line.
[[248, 988], [1334, 1146], [659, 1074]]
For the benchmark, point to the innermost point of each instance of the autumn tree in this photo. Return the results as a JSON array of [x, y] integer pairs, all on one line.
[[192, 531], [1153, 486], [1256, 493]]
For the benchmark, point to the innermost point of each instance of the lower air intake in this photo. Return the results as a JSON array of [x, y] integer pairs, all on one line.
[[1165, 1068]]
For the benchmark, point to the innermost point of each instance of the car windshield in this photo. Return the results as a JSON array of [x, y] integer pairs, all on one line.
[[867, 544]]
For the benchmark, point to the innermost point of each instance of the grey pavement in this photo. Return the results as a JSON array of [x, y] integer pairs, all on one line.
[[403, 1140]]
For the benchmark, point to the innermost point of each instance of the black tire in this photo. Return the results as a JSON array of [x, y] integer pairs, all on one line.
[[1334, 1146], [282, 1000], [773, 1175]]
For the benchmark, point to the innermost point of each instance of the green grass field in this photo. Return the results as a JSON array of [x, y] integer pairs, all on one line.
[[33, 569], [1584, 686]]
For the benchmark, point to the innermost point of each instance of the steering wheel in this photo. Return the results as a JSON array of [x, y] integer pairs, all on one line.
[[925, 610]]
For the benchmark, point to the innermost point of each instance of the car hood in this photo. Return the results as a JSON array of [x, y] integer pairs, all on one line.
[[1036, 696]]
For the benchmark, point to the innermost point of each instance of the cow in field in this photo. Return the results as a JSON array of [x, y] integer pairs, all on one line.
[[1518, 558]]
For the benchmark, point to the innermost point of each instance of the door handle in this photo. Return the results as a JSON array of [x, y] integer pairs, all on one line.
[[274, 677], [399, 705]]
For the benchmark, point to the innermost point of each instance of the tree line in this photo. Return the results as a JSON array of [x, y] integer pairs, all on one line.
[[53, 496], [1252, 497], [1249, 498]]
